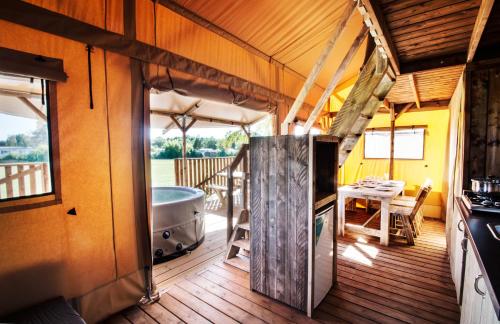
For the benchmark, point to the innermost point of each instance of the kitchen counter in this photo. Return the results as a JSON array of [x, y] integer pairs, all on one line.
[[485, 247]]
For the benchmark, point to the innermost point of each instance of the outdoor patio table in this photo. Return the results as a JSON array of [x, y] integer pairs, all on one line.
[[371, 192]]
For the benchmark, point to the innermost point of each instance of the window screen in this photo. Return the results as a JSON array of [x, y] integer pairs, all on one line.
[[25, 165], [408, 144]]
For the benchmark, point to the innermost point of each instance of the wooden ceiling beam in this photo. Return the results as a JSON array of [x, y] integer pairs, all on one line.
[[33, 108], [318, 66], [482, 18], [198, 118], [377, 19], [404, 109], [414, 89], [337, 76]]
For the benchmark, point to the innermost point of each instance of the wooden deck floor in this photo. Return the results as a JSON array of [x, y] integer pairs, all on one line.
[[392, 284]]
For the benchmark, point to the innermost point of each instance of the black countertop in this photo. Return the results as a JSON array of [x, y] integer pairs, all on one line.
[[486, 248]]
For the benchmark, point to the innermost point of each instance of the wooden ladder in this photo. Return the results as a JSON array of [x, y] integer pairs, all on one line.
[[238, 236], [371, 88]]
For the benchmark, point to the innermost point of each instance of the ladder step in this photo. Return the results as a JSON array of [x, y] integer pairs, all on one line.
[[240, 262], [243, 244], [244, 226]]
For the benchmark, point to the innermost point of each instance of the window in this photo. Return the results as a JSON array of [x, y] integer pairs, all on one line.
[[408, 143], [25, 145]]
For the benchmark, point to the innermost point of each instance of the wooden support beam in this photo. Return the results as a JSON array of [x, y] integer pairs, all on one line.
[[405, 109], [245, 130], [391, 157], [184, 153], [193, 107], [318, 66], [337, 76], [199, 118], [33, 108], [191, 123], [377, 19], [482, 18], [413, 86], [176, 122]]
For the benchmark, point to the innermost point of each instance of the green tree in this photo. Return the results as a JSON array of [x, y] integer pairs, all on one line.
[[17, 140]]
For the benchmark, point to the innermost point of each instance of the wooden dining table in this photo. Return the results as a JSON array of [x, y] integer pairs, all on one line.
[[383, 191]]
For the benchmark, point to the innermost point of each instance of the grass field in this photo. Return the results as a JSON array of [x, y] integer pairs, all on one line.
[[162, 173]]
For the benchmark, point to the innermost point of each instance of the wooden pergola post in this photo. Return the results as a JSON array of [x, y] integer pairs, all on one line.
[[391, 157], [184, 128]]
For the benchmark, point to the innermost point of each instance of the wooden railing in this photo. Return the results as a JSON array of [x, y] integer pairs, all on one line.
[[24, 179], [202, 172], [239, 163]]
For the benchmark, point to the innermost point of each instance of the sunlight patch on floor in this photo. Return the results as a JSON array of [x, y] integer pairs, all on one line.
[[355, 254]]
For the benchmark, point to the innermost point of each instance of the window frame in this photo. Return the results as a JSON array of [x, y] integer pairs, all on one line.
[[49, 198], [388, 129]]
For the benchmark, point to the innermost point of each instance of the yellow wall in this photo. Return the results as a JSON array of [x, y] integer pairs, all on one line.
[[414, 172]]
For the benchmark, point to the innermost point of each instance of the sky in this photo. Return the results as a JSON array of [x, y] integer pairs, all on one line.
[[11, 125]]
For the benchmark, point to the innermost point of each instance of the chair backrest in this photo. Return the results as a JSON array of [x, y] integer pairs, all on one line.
[[427, 184], [420, 201]]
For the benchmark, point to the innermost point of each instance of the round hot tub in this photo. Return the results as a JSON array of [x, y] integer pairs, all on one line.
[[178, 220]]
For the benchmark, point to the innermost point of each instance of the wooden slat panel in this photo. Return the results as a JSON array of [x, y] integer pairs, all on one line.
[[428, 88], [22, 190], [10, 188], [439, 21], [32, 179], [279, 207], [435, 13]]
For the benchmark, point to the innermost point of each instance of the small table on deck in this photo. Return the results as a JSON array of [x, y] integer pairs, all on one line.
[[219, 190], [385, 198]]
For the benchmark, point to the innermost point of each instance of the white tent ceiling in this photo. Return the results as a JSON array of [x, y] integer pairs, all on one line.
[[19, 97], [208, 113]]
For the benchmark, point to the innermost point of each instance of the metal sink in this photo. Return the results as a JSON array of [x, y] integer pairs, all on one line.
[[495, 230]]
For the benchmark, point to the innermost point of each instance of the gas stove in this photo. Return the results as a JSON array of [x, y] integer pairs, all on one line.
[[487, 202]]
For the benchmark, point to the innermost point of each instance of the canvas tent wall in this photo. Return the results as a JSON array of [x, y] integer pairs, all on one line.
[[98, 257]]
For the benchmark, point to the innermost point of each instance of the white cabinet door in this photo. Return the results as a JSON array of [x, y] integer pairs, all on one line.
[[456, 257], [477, 307], [472, 301], [488, 315]]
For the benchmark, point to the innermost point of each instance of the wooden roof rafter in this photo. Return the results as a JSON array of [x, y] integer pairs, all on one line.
[[374, 19], [480, 24], [414, 89]]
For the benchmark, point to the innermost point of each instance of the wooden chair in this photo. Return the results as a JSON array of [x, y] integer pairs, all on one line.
[[410, 203], [426, 183], [404, 220]]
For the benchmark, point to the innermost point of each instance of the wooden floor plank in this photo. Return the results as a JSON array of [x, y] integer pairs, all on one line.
[[181, 311], [218, 303], [278, 308], [199, 306], [382, 284], [160, 313], [243, 303], [408, 305], [137, 316]]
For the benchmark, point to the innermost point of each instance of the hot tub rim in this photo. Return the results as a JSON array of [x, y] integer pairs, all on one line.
[[197, 193]]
